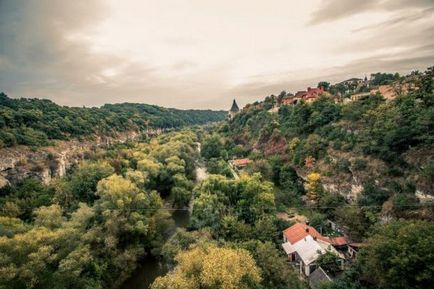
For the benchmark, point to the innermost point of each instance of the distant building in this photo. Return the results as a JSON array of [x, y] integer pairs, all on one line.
[[353, 81], [234, 110], [308, 96], [240, 162]]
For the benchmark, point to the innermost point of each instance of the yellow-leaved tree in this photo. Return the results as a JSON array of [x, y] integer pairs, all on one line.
[[212, 267], [313, 186]]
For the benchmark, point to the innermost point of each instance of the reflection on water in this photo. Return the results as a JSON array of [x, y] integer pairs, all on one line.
[[151, 267], [144, 275], [181, 218]]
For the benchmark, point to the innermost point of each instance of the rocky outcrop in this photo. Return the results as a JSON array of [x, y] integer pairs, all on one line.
[[21, 162]]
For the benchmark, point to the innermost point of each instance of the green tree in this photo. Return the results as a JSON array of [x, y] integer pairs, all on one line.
[[400, 255]]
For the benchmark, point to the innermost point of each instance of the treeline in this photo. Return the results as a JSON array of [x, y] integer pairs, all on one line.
[[36, 122], [89, 229]]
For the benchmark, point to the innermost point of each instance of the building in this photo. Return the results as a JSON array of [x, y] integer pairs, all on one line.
[[303, 245], [239, 163], [234, 110], [353, 249], [308, 96], [318, 278], [354, 81]]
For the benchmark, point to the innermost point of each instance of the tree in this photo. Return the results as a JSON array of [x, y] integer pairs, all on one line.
[[276, 274], [313, 187], [81, 185], [324, 84], [212, 147], [330, 263], [400, 255], [355, 220], [212, 267]]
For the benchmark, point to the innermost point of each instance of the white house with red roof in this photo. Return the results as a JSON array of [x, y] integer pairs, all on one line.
[[303, 244]]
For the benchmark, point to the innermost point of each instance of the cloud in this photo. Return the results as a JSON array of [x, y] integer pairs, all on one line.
[[201, 55], [331, 10]]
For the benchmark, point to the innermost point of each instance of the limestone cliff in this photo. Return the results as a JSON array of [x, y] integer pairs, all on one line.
[[44, 163]]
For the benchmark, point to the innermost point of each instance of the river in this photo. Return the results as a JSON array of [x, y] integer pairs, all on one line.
[[150, 268]]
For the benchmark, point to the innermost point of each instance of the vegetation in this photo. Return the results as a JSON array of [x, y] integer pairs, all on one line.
[[90, 228], [212, 267], [358, 164], [36, 122]]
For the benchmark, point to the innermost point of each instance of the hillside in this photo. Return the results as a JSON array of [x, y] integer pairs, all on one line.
[[369, 151], [36, 122]]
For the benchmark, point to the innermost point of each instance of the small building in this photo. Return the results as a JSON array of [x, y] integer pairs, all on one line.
[[239, 163], [234, 110], [318, 278], [353, 249]]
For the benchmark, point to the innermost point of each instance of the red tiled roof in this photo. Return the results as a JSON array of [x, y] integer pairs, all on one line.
[[300, 94], [241, 162], [299, 231], [339, 241]]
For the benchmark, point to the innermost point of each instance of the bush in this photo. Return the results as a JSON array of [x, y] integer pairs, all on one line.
[[359, 164]]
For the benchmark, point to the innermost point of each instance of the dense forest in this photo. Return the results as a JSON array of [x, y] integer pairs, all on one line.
[[35, 122], [362, 164]]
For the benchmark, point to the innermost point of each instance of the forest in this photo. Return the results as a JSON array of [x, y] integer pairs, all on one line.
[[360, 164], [36, 122]]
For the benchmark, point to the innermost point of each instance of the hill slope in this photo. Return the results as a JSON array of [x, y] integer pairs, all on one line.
[[36, 121]]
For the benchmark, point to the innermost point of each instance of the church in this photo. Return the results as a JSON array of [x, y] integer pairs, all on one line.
[[233, 111]]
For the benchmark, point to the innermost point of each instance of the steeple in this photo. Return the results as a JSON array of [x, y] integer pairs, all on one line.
[[234, 110], [234, 107]]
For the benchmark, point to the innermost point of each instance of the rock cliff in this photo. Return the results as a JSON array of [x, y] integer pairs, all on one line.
[[44, 163]]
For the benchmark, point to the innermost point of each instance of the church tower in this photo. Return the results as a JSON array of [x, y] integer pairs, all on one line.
[[234, 110]]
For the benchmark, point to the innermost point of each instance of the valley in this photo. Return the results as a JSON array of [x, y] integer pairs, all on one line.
[[280, 194]]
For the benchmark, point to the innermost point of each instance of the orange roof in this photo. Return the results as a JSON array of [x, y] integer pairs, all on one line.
[[299, 231], [241, 162], [338, 241]]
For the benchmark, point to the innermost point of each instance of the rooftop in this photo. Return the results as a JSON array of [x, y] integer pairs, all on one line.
[[307, 248], [317, 278], [241, 162], [234, 107], [299, 231]]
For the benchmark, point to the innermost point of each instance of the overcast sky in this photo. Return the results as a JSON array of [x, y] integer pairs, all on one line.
[[203, 53]]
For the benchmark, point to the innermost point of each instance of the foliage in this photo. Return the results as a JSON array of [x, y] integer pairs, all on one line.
[[400, 255], [275, 272], [211, 267], [36, 121], [330, 263], [248, 198]]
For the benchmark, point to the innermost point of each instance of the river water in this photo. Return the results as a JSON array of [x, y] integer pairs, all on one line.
[[150, 268]]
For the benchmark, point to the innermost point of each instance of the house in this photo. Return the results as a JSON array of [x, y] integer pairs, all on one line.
[[303, 245], [308, 96], [318, 278], [354, 81], [353, 249], [233, 111], [240, 162]]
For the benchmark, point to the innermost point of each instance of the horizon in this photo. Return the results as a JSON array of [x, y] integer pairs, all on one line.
[[195, 55]]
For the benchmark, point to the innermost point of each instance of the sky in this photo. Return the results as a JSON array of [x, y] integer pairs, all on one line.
[[203, 53]]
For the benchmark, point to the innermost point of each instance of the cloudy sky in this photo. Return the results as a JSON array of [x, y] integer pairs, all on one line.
[[203, 53]]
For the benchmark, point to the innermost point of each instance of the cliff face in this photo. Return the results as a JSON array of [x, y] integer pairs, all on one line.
[[21, 162]]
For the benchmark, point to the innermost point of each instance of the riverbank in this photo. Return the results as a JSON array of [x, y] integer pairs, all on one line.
[[152, 267]]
